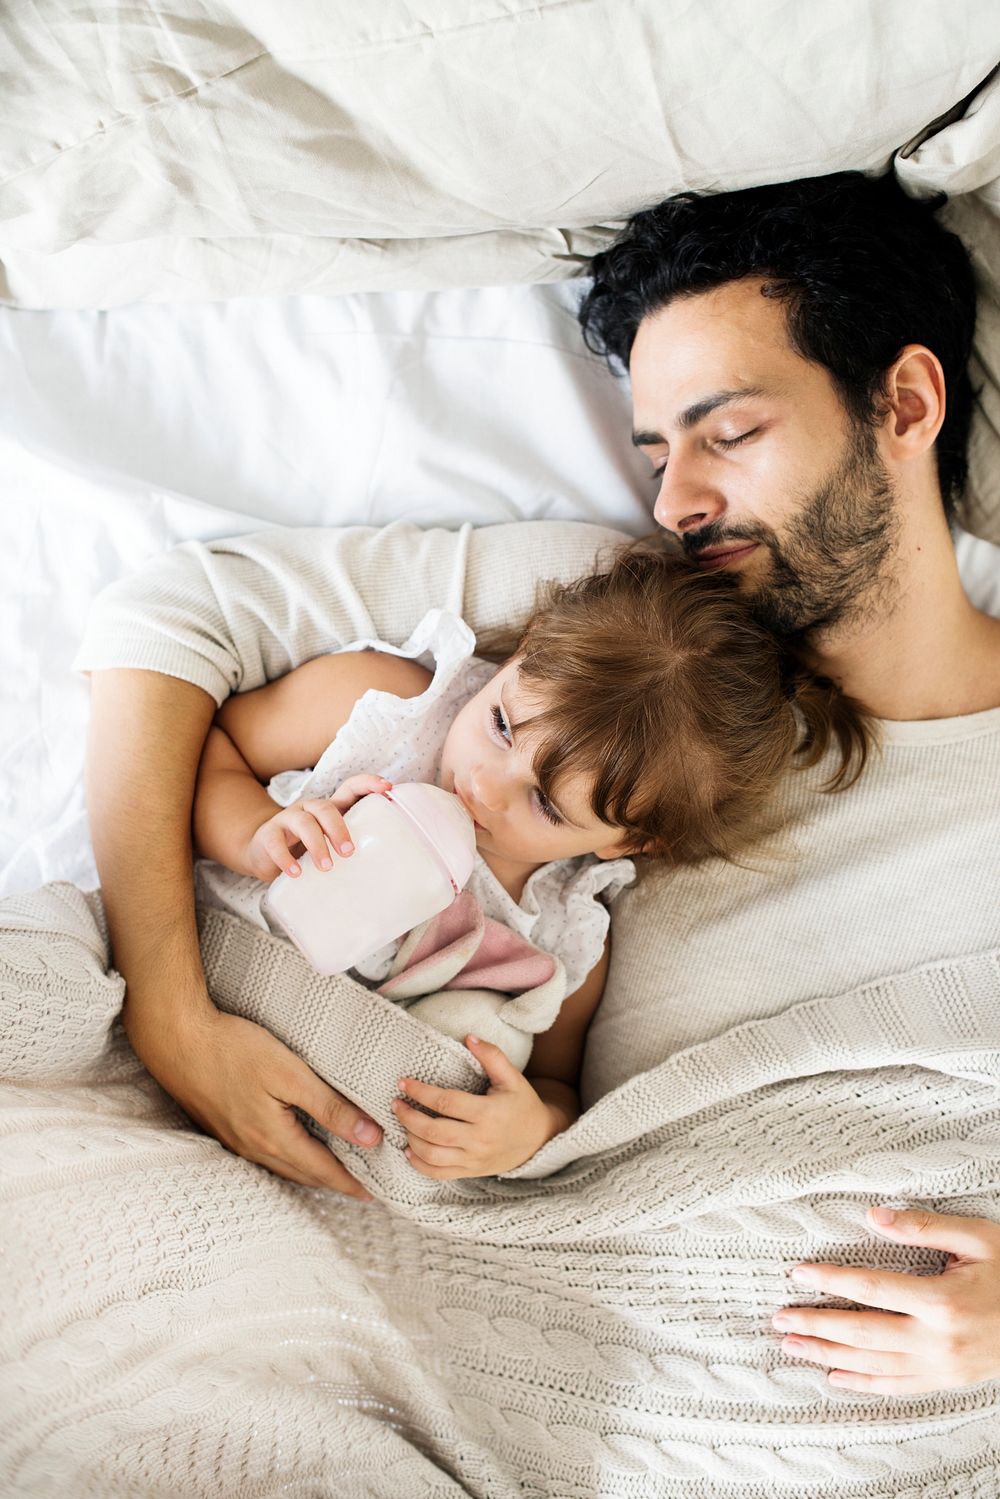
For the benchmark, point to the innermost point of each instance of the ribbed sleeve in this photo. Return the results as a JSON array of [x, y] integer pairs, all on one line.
[[230, 615]]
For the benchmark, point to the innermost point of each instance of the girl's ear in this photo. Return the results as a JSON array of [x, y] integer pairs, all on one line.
[[622, 850]]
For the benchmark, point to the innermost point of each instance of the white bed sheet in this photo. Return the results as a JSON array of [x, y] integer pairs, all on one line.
[[125, 432]]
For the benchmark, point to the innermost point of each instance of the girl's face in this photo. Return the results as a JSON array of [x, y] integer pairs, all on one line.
[[490, 770]]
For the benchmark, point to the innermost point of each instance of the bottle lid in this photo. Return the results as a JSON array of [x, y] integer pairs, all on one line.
[[443, 821]]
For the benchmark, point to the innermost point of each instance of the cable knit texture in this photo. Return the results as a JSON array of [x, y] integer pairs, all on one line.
[[597, 1322]]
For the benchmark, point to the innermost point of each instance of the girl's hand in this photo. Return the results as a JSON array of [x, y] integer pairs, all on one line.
[[476, 1134], [278, 843], [930, 1332]]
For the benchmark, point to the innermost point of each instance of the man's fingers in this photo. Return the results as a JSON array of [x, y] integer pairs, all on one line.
[[968, 1238], [879, 1331], [330, 1109], [836, 1356], [880, 1384], [886, 1290], [314, 1166]]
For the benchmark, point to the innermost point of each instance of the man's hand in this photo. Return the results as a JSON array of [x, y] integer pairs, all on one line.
[[930, 1332], [241, 1085]]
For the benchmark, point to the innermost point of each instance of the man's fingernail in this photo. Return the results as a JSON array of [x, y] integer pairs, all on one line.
[[366, 1131], [885, 1216], [804, 1275]]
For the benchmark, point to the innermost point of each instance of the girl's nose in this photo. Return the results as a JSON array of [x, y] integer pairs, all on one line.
[[488, 789]]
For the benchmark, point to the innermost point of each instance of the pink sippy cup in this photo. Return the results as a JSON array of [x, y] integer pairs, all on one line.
[[414, 848]]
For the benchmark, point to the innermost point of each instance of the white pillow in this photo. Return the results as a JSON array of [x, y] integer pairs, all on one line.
[[202, 149], [963, 160]]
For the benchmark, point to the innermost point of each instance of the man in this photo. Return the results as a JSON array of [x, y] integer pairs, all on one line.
[[798, 366]]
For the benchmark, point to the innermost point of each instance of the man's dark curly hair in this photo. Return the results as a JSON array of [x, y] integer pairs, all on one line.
[[862, 269]]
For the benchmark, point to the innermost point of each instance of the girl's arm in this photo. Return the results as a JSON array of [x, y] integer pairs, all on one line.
[[285, 725], [557, 1055], [485, 1134]]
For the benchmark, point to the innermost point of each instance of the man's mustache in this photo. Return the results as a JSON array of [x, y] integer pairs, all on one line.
[[693, 543]]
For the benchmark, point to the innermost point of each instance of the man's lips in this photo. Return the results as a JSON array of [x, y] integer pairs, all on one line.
[[721, 556]]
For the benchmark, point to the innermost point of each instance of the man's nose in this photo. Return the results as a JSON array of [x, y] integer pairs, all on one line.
[[686, 501]]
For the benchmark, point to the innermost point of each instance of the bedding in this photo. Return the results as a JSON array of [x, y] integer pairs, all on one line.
[[206, 149], [603, 1330], [127, 432], [180, 1322], [124, 433]]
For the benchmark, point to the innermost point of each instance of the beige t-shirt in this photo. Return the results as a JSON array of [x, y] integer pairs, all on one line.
[[898, 872], [901, 870]]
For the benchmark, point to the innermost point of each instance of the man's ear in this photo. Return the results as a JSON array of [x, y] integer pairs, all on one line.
[[915, 394]]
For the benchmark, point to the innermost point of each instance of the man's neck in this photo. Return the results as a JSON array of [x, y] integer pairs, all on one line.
[[920, 650]]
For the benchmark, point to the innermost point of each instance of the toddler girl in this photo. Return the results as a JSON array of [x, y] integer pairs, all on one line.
[[641, 712]]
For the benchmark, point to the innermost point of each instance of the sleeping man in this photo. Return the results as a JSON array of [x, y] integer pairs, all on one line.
[[798, 364]]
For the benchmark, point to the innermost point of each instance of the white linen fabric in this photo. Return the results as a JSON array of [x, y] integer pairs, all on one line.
[[206, 150], [563, 907], [183, 1323], [211, 149]]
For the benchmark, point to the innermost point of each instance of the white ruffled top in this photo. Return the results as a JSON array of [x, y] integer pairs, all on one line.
[[564, 906]]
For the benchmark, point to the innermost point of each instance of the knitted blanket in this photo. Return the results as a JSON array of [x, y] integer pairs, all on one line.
[[596, 1323]]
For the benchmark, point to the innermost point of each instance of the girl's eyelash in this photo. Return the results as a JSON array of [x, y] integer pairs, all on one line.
[[541, 801], [500, 724], [547, 810]]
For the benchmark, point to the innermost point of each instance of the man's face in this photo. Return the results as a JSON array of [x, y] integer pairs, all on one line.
[[759, 467]]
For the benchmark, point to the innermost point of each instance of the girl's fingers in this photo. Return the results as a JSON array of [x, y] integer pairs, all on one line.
[[438, 1157], [275, 843], [419, 1126], [310, 834], [355, 787], [335, 828], [451, 1102]]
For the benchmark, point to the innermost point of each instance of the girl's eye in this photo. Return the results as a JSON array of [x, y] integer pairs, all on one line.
[[734, 442], [657, 476], [547, 810], [500, 724]]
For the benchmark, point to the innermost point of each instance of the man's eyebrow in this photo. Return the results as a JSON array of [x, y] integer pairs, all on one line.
[[692, 415], [513, 734]]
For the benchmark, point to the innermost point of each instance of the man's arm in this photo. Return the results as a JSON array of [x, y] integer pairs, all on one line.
[[167, 646], [235, 1079]]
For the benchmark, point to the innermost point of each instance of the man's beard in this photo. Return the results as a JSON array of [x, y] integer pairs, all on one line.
[[829, 563]]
